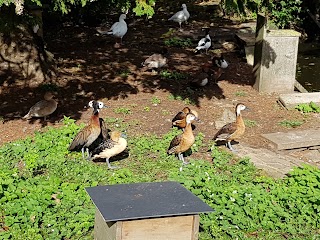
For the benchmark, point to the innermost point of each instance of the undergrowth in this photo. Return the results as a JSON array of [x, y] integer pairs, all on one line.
[[42, 188]]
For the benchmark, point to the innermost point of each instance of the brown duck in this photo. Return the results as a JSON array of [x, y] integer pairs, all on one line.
[[155, 61], [89, 133], [209, 72], [43, 108], [180, 119], [232, 131], [113, 146], [183, 142]]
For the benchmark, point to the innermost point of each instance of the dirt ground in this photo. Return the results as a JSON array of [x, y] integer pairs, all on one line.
[[90, 67]]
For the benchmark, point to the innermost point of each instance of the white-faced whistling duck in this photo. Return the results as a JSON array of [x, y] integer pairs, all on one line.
[[183, 142], [104, 135], [89, 133], [180, 119], [232, 131], [110, 147], [43, 108]]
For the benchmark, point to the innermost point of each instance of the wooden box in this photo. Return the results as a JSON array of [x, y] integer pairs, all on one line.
[[153, 211]]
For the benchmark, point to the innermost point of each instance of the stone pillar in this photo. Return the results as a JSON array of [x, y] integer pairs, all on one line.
[[275, 59]]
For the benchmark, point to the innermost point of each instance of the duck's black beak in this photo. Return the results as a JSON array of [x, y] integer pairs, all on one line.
[[197, 120], [123, 135]]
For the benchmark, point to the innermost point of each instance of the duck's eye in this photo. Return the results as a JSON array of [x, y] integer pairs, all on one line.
[[90, 104], [100, 104]]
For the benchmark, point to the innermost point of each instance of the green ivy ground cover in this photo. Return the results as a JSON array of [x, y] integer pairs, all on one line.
[[42, 192]]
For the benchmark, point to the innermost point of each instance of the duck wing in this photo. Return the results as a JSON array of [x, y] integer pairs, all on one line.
[[85, 137], [200, 80], [118, 29], [180, 116], [104, 135], [174, 144], [42, 108], [225, 132], [178, 17], [107, 144]]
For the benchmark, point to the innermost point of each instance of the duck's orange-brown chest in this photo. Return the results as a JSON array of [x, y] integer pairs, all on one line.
[[240, 128]]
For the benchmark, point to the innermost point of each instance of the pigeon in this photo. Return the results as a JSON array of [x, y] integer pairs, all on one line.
[[181, 16], [118, 29]]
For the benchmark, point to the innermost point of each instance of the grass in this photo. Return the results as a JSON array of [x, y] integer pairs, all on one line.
[[178, 42], [291, 123], [122, 110], [124, 73], [241, 94], [173, 75], [147, 109], [155, 100], [308, 107], [42, 186], [165, 112], [250, 123], [186, 100]]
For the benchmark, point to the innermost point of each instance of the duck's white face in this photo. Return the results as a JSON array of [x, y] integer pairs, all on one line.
[[190, 118], [123, 16], [240, 107], [224, 64], [96, 104], [184, 6], [221, 63], [100, 105]]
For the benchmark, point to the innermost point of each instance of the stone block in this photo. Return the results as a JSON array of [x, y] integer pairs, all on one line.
[[294, 139], [275, 59], [290, 101]]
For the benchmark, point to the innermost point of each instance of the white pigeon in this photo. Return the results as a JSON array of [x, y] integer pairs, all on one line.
[[118, 29], [181, 16], [204, 43]]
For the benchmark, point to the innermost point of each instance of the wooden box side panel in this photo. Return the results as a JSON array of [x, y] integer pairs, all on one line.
[[166, 228], [104, 230]]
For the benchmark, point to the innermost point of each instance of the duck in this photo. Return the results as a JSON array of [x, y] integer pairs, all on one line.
[[118, 29], [89, 133], [204, 43], [104, 135], [232, 131], [201, 78], [43, 108], [218, 66], [183, 142], [155, 61], [180, 119], [181, 16], [209, 72], [113, 146]]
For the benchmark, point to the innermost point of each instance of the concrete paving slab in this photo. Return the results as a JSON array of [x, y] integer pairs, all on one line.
[[294, 139], [291, 100], [274, 164]]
